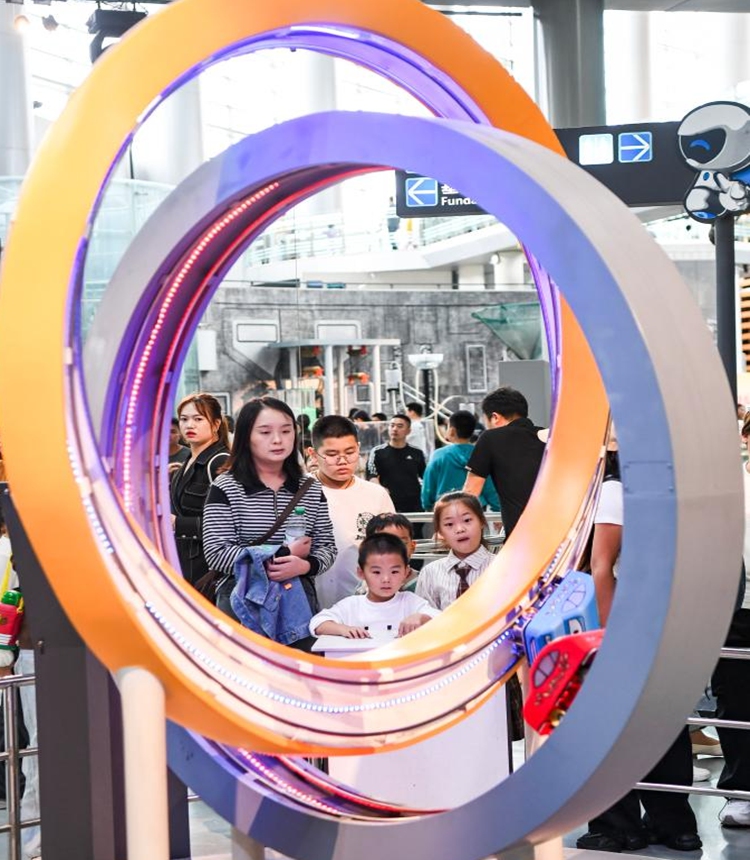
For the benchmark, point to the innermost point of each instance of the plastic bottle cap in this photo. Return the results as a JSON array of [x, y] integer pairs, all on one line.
[[11, 598], [300, 510]]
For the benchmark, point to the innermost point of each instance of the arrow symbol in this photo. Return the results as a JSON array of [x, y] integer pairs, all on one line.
[[639, 149], [421, 191]]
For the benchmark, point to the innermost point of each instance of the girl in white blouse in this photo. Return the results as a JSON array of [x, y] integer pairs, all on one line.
[[459, 520]]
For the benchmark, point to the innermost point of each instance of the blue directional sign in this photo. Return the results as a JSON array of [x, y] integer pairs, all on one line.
[[420, 196], [421, 191], [640, 162], [635, 146]]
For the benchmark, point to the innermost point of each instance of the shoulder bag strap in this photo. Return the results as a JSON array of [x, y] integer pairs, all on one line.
[[281, 519], [210, 463]]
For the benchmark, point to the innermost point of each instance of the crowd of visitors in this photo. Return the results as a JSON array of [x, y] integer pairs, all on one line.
[[353, 566], [276, 527]]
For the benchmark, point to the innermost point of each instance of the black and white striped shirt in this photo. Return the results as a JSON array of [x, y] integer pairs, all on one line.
[[236, 515]]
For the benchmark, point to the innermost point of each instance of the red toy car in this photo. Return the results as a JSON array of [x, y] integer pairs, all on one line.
[[556, 676]]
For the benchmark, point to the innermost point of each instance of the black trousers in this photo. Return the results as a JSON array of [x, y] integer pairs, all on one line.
[[730, 683], [668, 814]]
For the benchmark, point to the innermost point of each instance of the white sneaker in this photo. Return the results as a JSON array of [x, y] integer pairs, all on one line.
[[701, 774], [736, 813]]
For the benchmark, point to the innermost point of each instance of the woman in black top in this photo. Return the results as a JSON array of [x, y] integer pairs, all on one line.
[[205, 430]]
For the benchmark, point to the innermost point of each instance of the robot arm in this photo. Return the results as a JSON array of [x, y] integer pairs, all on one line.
[[714, 194]]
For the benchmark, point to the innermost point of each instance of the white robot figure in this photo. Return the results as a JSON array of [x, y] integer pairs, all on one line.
[[715, 141]]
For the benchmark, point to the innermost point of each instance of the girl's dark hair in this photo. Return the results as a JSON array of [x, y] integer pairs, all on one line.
[[240, 462], [466, 499], [210, 408]]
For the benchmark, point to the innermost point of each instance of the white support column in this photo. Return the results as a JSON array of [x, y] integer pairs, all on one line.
[[329, 405], [552, 850], [293, 366], [631, 96], [736, 62], [315, 91], [15, 103], [169, 145], [376, 404], [144, 729], [341, 380]]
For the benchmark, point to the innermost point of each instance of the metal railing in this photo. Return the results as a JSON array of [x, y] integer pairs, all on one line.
[[727, 654], [12, 757]]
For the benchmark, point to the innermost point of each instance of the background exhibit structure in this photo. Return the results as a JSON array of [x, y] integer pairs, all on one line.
[[152, 621]]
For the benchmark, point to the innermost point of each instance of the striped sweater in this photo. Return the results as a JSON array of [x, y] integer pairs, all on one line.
[[236, 515]]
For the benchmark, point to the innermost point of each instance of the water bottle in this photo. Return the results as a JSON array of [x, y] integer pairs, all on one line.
[[11, 617], [295, 525]]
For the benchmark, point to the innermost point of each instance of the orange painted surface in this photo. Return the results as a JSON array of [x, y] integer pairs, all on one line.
[[51, 221]]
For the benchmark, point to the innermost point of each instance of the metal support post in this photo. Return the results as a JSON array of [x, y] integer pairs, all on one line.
[[726, 288], [12, 771], [80, 763]]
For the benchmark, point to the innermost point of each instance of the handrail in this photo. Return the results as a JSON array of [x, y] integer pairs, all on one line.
[[13, 756]]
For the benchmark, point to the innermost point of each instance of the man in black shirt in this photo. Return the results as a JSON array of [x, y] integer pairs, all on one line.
[[510, 452], [398, 467]]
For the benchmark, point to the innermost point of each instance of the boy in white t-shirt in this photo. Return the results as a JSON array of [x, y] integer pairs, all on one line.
[[352, 502], [384, 610]]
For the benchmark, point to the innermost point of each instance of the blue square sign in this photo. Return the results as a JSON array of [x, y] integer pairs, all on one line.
[[635, 146], [421, 191]]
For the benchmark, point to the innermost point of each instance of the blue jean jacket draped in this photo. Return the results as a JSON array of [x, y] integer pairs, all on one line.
[[276, 610]]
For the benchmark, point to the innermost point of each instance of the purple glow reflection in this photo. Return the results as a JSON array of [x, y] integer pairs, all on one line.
[[549, 303]]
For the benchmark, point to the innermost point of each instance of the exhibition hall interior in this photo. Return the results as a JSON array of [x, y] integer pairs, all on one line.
[[374, 411]]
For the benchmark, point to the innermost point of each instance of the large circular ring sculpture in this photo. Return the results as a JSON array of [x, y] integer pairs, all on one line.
[[240, 689]]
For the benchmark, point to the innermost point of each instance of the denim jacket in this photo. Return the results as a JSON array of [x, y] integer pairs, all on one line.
[[276, 610]]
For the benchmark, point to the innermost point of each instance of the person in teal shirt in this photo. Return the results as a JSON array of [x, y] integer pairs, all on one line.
[[446, 470]]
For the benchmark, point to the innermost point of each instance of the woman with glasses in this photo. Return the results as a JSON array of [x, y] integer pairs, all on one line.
[[245, 525]]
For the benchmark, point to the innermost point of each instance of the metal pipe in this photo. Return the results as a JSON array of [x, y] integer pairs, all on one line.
[[721, 724], [736, 653], [726, 288], [12, 772], [692, 789]]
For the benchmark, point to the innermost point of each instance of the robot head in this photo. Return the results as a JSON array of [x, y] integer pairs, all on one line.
[[716, 137]]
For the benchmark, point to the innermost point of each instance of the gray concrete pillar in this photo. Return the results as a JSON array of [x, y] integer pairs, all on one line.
[[572, 36], [15, 102]]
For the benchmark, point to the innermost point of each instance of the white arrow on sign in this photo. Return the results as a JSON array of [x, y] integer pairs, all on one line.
[[421, 191], [641, 148]]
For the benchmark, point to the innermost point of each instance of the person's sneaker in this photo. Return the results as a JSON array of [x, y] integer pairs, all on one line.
[[736, 813], [701, 774]]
